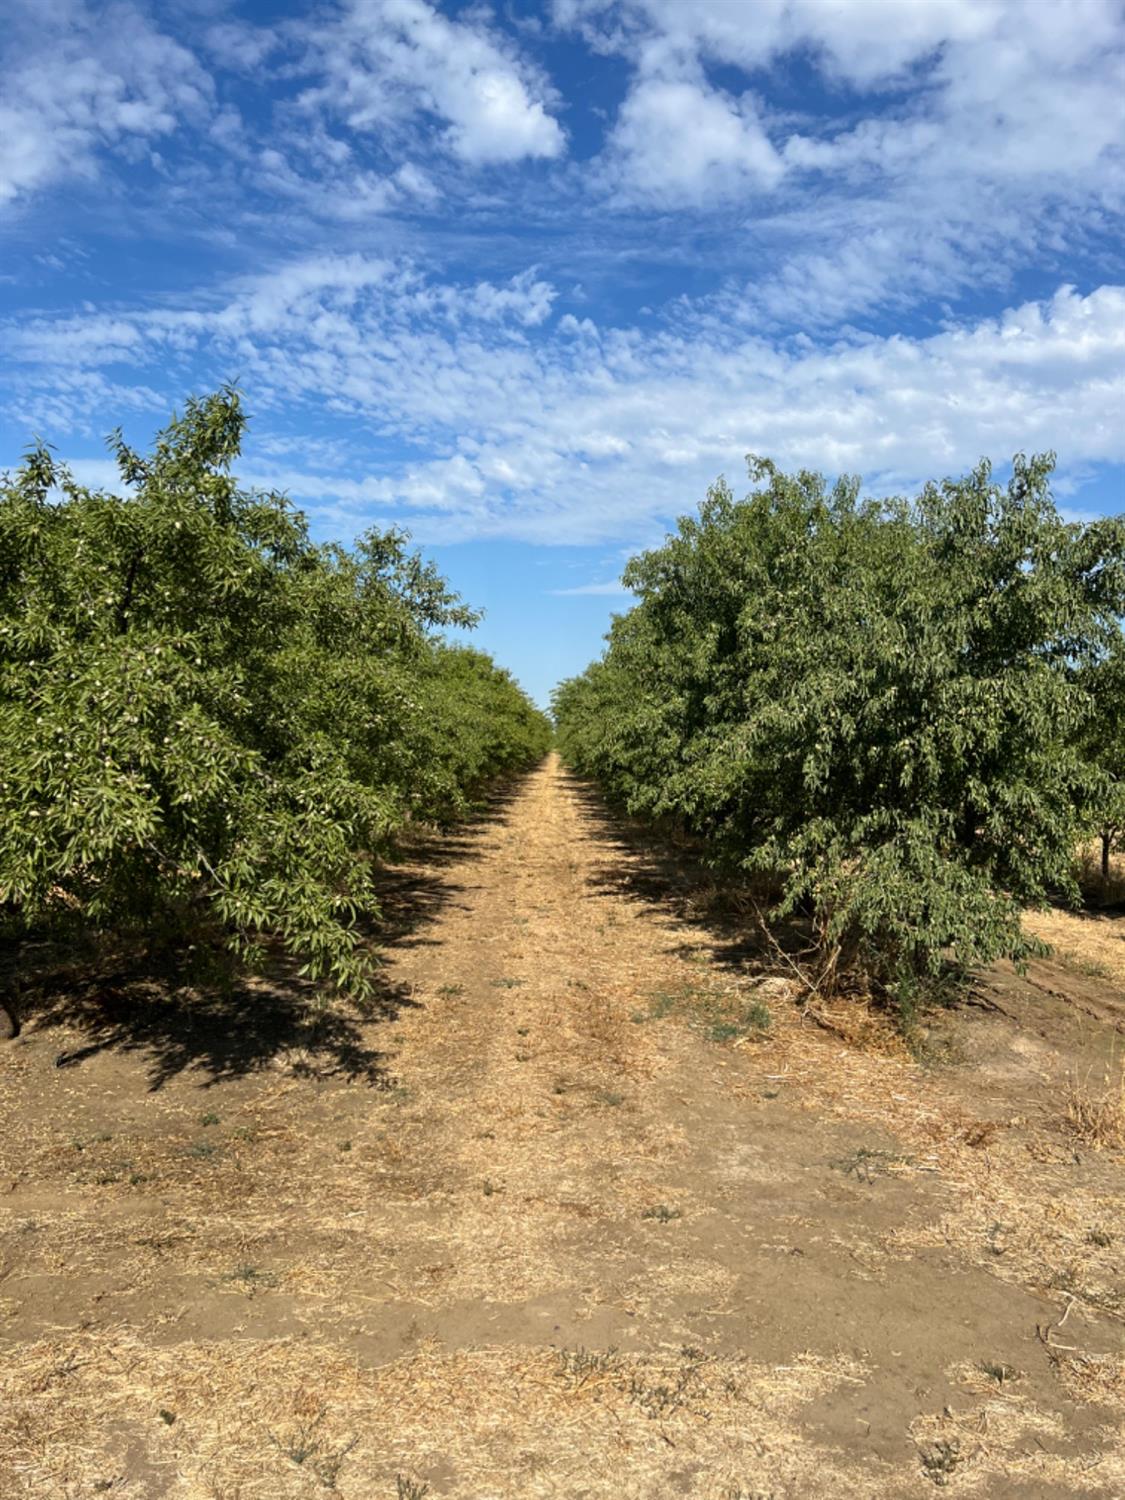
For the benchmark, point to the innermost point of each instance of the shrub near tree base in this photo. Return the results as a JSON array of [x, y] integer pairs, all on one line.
[[203, 715], [879, 702]]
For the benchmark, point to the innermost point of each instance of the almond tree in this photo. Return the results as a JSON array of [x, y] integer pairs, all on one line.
[[204, 717], [875, 702], [1103, 743]]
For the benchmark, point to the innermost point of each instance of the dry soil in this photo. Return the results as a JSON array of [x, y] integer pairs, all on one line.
[[592, 1203]]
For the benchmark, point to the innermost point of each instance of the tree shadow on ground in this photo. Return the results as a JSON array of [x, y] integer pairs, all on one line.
[[414, 886], [218, 1031], [668, 874], [661, 869], [225, 1024]]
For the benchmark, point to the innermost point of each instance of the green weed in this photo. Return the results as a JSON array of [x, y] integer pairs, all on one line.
[[1090, 967], [577, 1366], [663, 1398], [306, 1448], [721, 1015]]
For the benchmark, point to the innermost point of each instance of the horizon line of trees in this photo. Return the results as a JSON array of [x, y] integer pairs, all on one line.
[[899, 717]]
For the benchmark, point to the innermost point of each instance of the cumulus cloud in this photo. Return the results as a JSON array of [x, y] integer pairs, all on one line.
[[677, 141], [949, 137], [388, 59], [571, 349], [361, 93], [940, 147], [552, 438], [864, 42]]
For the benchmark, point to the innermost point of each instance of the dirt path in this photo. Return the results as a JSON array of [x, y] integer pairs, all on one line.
[[603, 1228]]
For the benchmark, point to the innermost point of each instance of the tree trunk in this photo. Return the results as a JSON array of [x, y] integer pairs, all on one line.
[[9, 1018], [11, 982], [1106, 840]]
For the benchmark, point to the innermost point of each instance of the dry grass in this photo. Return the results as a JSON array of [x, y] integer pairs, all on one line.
[[287, 1287], [1002, 1446], [86, 1415], [1090, 943], [1095, 1115], [1096, 1378], [1015, 1204], [109, 1414]]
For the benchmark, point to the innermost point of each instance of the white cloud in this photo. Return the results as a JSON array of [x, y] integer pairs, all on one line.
[[614, 589], [526, 297], [239, 45], [677, 141], [77, 401], [386, 60], [945, 145], [953, 140], [75, 85], [344, 304], [96, 474], [864, 42], [81, 84], [552, 438]]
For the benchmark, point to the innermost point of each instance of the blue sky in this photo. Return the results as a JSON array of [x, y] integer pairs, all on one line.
[[525, 278]]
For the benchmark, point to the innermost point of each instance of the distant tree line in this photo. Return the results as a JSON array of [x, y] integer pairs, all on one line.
[[901, 717]]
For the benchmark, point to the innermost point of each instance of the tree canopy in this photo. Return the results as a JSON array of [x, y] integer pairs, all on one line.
[[203, 711], [879, 702]]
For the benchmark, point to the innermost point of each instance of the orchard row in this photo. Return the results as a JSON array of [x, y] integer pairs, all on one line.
[[208, 721], [901, 718]]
